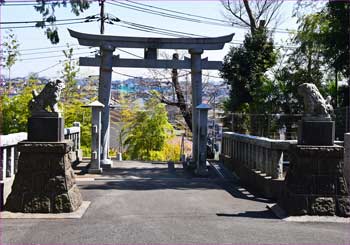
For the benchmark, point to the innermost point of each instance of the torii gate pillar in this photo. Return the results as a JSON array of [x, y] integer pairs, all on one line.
[[196, 84], [104, 96]]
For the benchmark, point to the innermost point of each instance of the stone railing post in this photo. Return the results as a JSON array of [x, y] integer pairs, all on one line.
[[276, 164], [3, 163], [77, 124], [10, 168], [347, 158]]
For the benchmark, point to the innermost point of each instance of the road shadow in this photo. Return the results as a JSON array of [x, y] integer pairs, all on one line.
[[266, 214]]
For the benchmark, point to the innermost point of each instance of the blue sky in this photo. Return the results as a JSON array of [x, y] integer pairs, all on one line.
[[32, 38]]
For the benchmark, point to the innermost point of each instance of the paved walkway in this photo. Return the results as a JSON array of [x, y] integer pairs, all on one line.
[[138, 203]]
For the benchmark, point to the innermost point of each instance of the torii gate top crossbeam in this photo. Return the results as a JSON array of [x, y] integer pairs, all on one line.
[[207, 43]]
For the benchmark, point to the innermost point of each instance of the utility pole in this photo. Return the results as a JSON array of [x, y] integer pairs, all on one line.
[[102, 16]]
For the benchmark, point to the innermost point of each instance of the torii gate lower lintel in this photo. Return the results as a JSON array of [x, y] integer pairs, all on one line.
[[107, 61]]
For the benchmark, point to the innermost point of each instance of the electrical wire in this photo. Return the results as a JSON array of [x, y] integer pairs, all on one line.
[[36, 21], [178, 12], [50, 47], [54, 51], [127, 52], [59, 24], [55, 56], [159, 13], [154, 12]]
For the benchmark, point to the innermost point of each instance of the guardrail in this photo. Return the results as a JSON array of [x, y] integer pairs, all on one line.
[[9, 156]]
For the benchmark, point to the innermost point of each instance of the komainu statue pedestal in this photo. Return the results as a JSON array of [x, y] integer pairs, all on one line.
[[316, 131], [316, 182], [45, 181], [45, 128]]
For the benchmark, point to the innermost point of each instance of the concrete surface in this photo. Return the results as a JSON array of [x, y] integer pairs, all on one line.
[[142, 203]]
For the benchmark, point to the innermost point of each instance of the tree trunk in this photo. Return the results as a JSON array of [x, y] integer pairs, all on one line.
[[185, 111], [250, 15]]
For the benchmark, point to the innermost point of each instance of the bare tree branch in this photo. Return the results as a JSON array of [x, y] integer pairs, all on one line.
[[250, 13]]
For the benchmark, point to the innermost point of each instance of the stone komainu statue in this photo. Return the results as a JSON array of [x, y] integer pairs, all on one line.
[[314, 103], [48, 97]]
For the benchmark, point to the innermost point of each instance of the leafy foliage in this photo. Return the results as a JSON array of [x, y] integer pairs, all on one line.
[[244, 69], [11, 52], [15, 110], [328, 30], [321, 57], [70, 71], [47, 10], [148, 131], [73, 100]]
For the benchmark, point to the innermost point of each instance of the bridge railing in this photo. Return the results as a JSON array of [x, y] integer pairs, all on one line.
[[258, 153], [9, 156]]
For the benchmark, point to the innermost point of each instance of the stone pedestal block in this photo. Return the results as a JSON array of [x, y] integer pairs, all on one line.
[[45, 129], [316, 132], [315, 182], [45, 181]]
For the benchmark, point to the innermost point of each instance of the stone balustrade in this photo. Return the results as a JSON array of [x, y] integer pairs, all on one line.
[[256, 153], [9, 156], [257, 161]]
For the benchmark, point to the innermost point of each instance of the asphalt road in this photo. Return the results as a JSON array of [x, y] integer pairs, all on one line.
[[139, 203]]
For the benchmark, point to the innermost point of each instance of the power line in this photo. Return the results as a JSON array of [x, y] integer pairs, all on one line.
[[50, 47], [178, 12], [160, 29], [183, 18], [127, 52], [48, 68], [59, 24], [159, 13], [53, 51], [168, 32], [36, 21], [55, 56]]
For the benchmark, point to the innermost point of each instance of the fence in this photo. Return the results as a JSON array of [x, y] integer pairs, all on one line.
[[281, 126], [9, 156]]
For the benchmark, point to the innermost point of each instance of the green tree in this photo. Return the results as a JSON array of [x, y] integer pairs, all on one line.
[[329, 30], [47, 10], [73, 100], [322, 56], [148, 131], [73, 112], [244, 70], [11, 53], [15, 110], [70, 71]]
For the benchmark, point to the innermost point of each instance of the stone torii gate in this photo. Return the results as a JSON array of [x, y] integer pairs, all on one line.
[[107, 61]]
